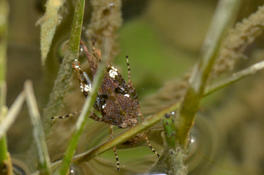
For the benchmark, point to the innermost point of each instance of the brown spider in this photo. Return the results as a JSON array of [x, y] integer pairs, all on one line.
[[116, 100]]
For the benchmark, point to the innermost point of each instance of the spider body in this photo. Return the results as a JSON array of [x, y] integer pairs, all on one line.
[[116, 100]]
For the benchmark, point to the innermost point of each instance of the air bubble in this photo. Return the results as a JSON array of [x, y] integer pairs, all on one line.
[[193, 144], [74, 170], [192, 140]]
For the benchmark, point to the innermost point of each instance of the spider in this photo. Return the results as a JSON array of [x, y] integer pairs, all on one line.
[[116, 99]]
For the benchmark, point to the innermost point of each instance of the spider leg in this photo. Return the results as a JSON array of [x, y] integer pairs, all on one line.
[[73, 114], [130, 83], [147, 140], [90, 58], [85, 82], [129, 72], [151, 147], [114, 149], [96, 118]]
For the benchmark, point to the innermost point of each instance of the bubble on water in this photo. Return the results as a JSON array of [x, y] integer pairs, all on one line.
[[74, 170], [193, 143], [192, 140]]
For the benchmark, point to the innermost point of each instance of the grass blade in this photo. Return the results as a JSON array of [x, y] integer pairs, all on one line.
[[234, 78], [12, 114], [86, 110], [48, 23], [5, 162], [63, 79], [39, 136], [224, 16]]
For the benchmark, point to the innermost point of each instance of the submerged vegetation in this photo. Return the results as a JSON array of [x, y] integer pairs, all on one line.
[[180, 118]]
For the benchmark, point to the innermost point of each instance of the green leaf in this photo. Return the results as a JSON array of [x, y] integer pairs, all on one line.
[[48, 24]]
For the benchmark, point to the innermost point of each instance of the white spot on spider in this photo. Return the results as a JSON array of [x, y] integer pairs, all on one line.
[[85, 87], [81, 87], [127, 95], [115, 69], [113, 72], [172, 113], [103, 106]]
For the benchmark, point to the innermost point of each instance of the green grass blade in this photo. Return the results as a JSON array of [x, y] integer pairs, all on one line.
[[48, 25], [224, 16], [86, 110], [5, 162], [63, 79]]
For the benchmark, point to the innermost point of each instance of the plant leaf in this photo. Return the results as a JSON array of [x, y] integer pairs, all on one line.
[[48, 24]]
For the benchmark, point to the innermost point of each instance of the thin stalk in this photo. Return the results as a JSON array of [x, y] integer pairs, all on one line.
[[5, 163], [224, 16], [235, 77], [86, 110], [39, 136], [12, 114], [49, 23], [3, 38], [6, 121], [3, 151], [63, 79], [3, 111]]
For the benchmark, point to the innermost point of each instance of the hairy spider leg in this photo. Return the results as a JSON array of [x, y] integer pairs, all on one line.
[[114, 149], [91, 57], [74, 114], [65, 116], [147, 140], [128, 72], [130, 83], [85, 82], [151, 147], [85, 86], [140, 114]]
